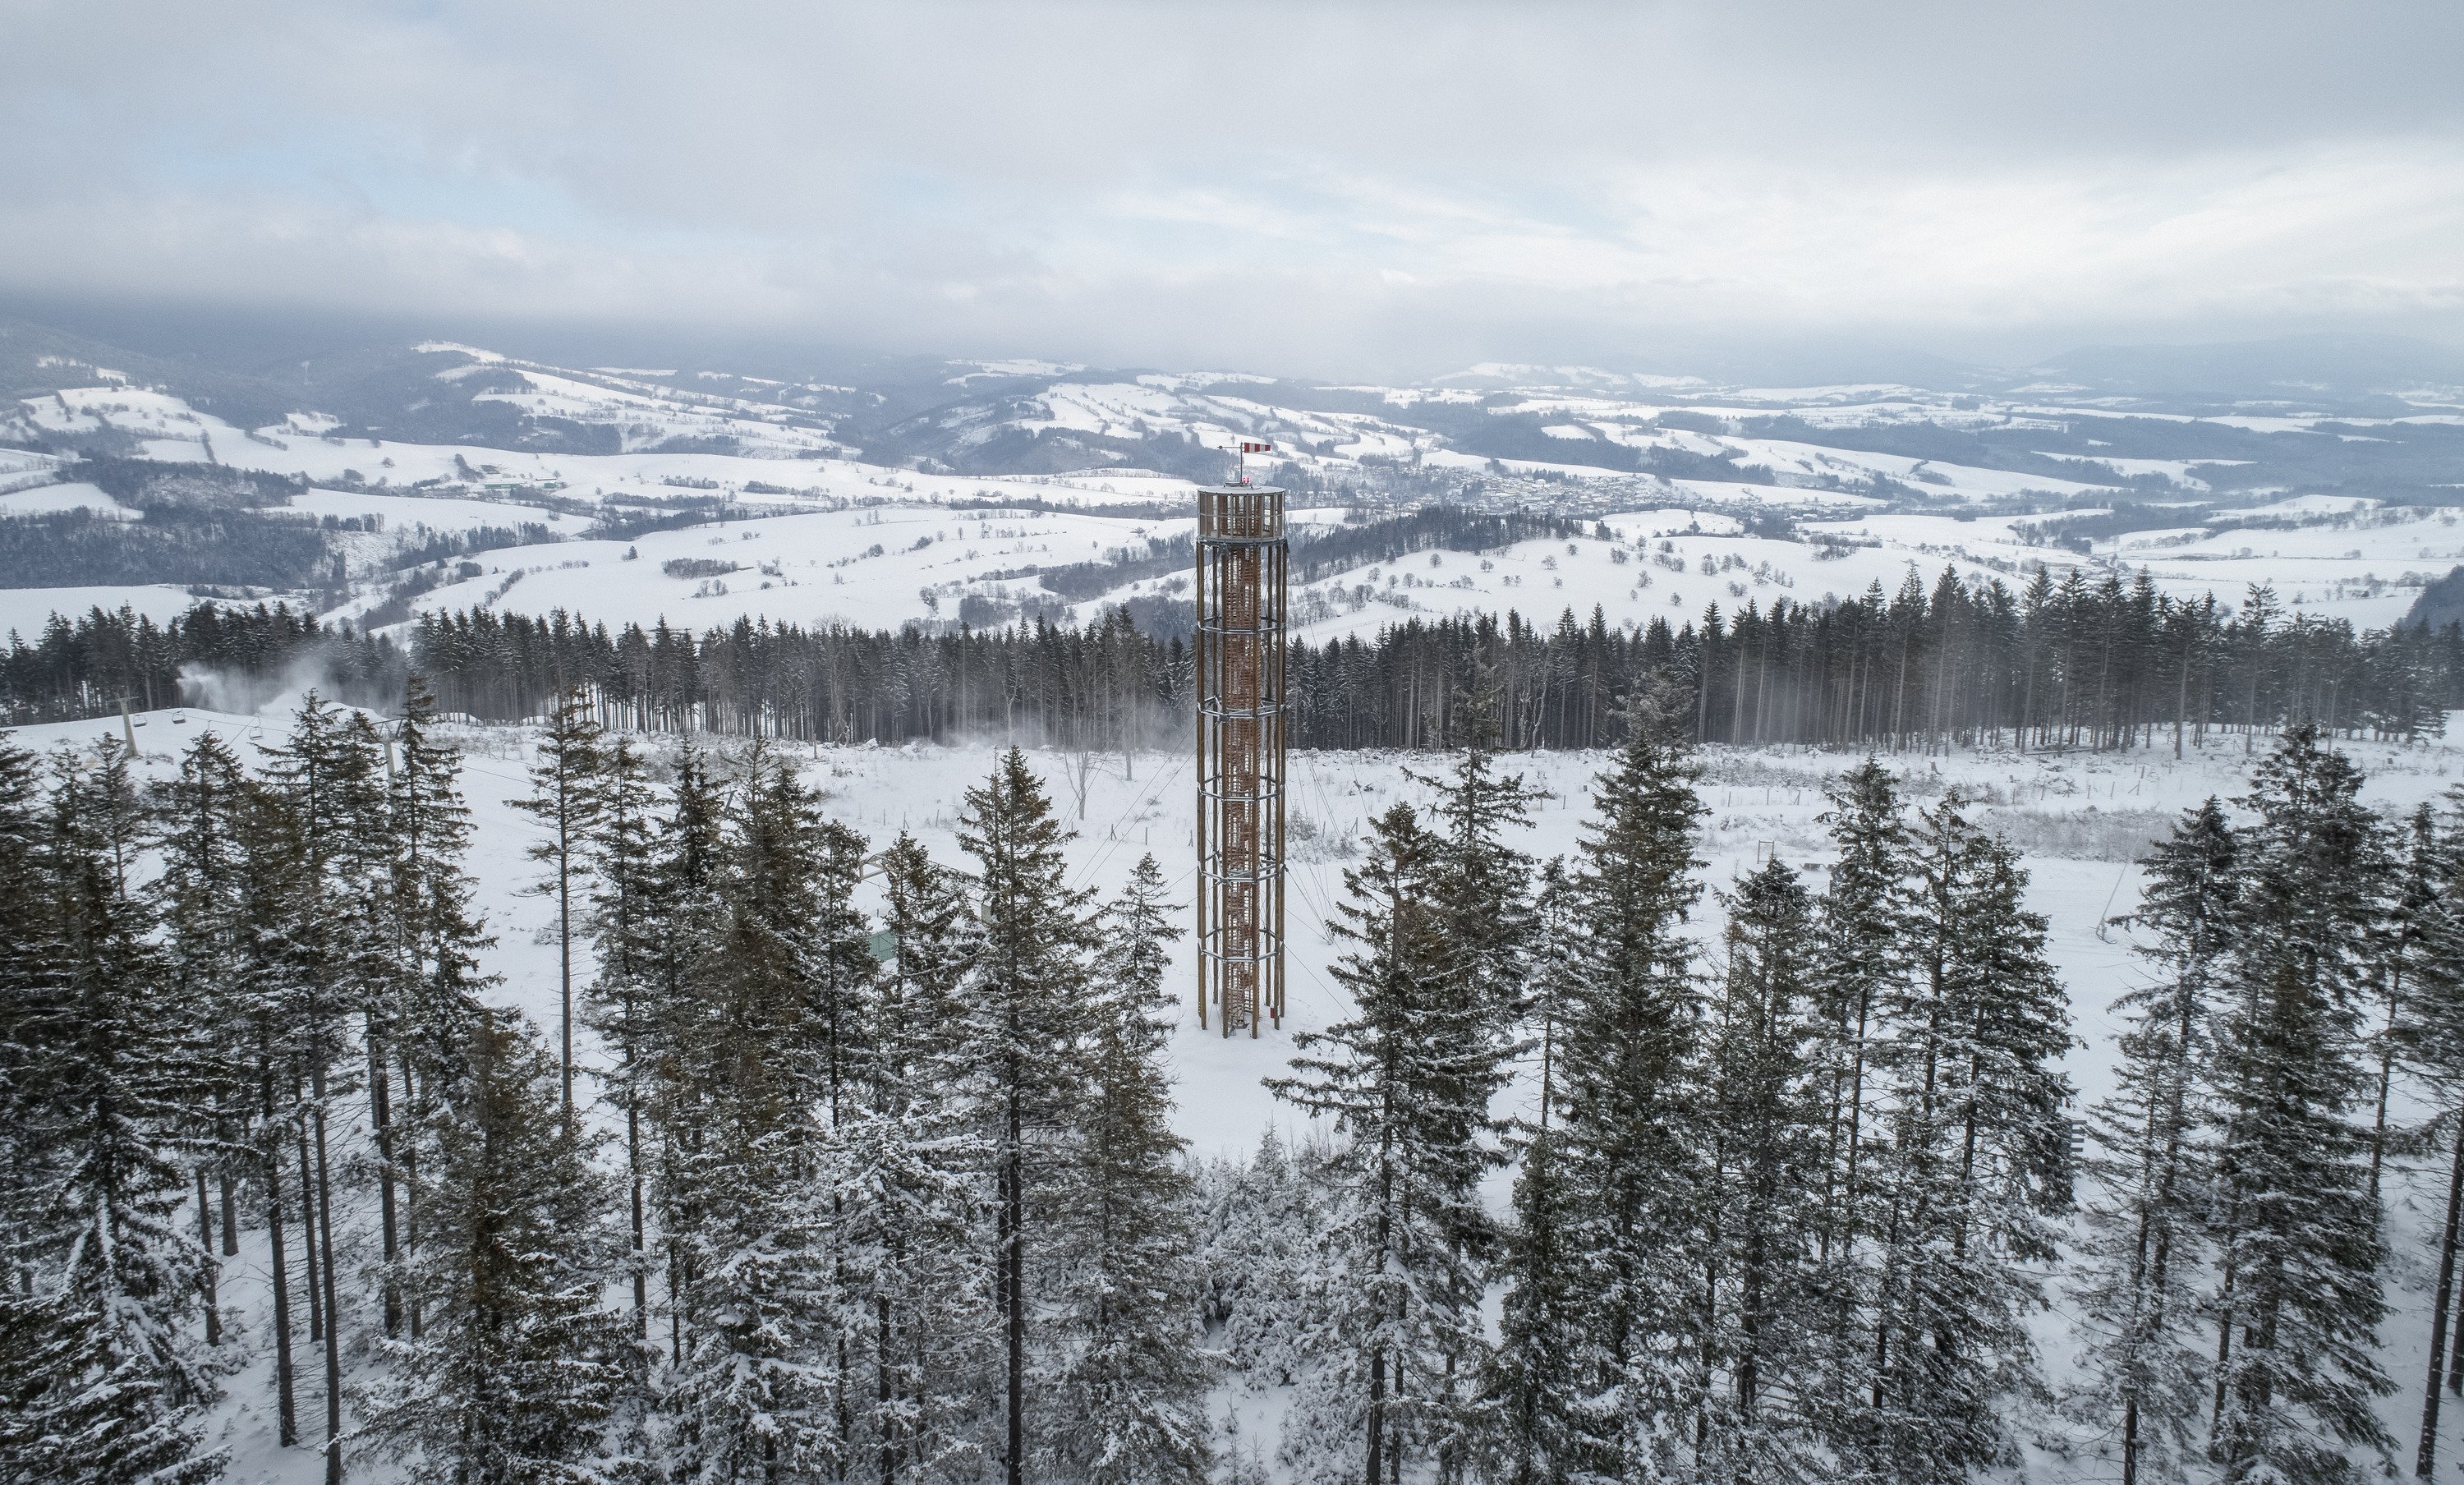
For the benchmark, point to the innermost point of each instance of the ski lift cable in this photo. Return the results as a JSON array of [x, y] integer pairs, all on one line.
[[1112, 832]]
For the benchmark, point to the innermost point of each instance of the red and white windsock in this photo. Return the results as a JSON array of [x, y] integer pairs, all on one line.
[[1242, 449]]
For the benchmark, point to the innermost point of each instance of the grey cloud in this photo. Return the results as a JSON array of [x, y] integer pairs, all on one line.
[[1306, 188]]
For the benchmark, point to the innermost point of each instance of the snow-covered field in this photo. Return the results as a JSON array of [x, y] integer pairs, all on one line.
[[169, 430], [2079, 818], [820, 566], [25, 611]]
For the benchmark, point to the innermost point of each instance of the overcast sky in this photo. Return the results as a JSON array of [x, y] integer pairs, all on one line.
[[1327, 189]]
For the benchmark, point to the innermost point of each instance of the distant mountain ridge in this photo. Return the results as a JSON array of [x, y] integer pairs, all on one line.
[[2346, 415]]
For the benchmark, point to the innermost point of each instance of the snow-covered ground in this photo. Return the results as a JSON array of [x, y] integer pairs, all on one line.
[[25, 611], [169, 430], [73, 495], [820, 566], [2079, 818]]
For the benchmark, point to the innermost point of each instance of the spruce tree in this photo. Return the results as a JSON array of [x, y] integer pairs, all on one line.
[[761, 1386], [2409, 951], [1259, 1226], [1762, 1127], [1406, 1081], [201, 901], [26, 984], [1976, 1168], [2430, 1034], [1481, 882], [276, 877], [518, 1366], [1622, 1155], [620, 857], [793, 891], [1481, 886], [1129, 1395], [104, 1368], [1024, 1036], [906, 1171], [2298, 1302], [437, 933], [1862, 937], [332, 955], [565, 800], [1531, 1428], [684, 918], [2134, 1289]]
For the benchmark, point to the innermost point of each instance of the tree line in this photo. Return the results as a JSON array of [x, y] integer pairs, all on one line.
[[2066, 662]]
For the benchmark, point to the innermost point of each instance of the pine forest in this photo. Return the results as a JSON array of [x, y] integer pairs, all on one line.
[[830, 1156]]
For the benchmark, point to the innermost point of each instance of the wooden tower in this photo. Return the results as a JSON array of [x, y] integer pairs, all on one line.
[[1243, 574]]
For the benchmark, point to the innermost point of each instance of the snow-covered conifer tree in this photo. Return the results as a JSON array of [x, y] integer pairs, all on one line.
[[1481, 882], [565, 800], [1024, 1038], [418, 1026], [201, 900], [1623, 1153], [1130, 1390], [2135, 1284], [1406, 1080], [1258, 1231], [1975, 1167], [2299, 1301], [1762, 1124], [1863, 935], [518, 1361], [761, 1386], [619, 854], [2430, 1034], [333, 954], [1531, 1435], [684, 916], [907, 1165], [104, 1374]]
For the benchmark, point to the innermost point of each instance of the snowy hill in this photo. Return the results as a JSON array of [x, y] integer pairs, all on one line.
[[443, 474]]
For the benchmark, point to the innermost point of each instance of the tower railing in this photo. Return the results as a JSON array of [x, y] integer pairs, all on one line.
[[1244, 569]]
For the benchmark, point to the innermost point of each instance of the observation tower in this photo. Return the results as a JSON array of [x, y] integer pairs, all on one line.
[[1243, 576]]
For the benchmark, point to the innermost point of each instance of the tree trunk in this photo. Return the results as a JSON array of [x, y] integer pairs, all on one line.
[[333, 1296], [2386, 1079], [1014, 1296], [881, 1370], [380, 1120], [207, 1274], [564, 966], [2427, 1456], [410, 1190], [641, 1266], [308, 1240], [287, 1412]]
